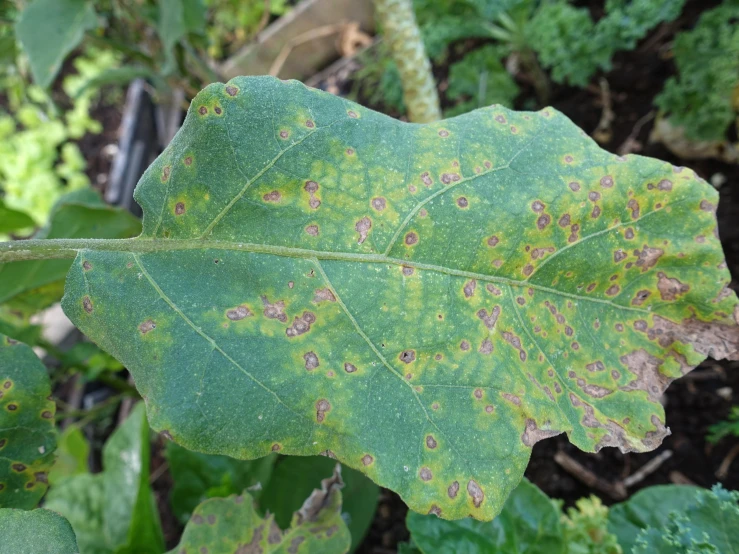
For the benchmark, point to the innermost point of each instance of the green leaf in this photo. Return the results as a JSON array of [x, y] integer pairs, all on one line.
[[79, 214], [585, 529], [177, 18], [27, 432], [13, 220], [114, 511], [80, 499], [699, 522], [198, 477], [72, 452], [480, 80], [36, 532], [528, 524], [425, 301], [294, 478], [226, 525], [48, 30]]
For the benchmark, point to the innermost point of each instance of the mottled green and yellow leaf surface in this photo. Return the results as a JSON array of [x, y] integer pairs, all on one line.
[[226, 525], [27, 432], [424, 301]]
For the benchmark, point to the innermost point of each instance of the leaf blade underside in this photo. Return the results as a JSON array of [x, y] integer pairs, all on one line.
[[424, 301]]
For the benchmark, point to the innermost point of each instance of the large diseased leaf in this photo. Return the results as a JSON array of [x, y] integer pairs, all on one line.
[[424, 301], [36, 532], [27, 432], [226, 525]]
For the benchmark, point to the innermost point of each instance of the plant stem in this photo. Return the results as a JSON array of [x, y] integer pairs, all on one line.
[[406, 46]]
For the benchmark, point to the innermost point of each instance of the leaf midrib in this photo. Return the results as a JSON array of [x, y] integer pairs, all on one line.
[[145, 245]]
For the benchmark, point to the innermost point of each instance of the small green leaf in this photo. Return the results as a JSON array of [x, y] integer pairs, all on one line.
[[35, 532], [528, 524], [177, 18], [295, 477], [72, 452], [114, 511], [424, 301], [27, 432], [13, 220], [80, 499], [198, 477], [48, 30], [227, 525], [79, 214]]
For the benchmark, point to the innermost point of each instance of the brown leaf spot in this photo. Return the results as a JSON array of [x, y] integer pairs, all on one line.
[[475, 492], [532, 434], [87, 304], [430, 441], [300, 324], [309, 123], [543, 221], [606, 182], [493, 241], [453, 489], [595, 366], [379, 203], [537, 206], [18, 467], [407, 356], [274, 310], [464, 345], [426, 178], [324, 295], [593, 196], [596, 212], [486, 347], [633, 205], [500, 119], [218, 110], [273, 196], [239, 313], [469, 288], [352, 114], [407, 271], [648, 377], [443, 133], [311, 361], [202, 110], [312, 230], [367, 459], [569, 159], [613, 290], [231, 90], [665, 185], [512, 398], [564, 221], [619, 255], [648, 257], [478, 393], [425, 474], [284, 134], [311, 187], [462, 202], [669, 287], [640, 297], [411, 238], [489, 319], [87, 266], [629, 233], [147, 326], [322, 406], [574, 186], [362, 227]]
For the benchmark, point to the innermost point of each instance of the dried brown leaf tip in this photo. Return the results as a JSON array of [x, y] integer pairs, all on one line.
[[321, 499]]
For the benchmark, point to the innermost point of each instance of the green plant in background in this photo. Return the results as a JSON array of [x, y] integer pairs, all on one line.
[[247, 367], [729, 427], [39, 159], [585, 529], [704, 97], [233, 22], [480, 80], [573, 47]]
